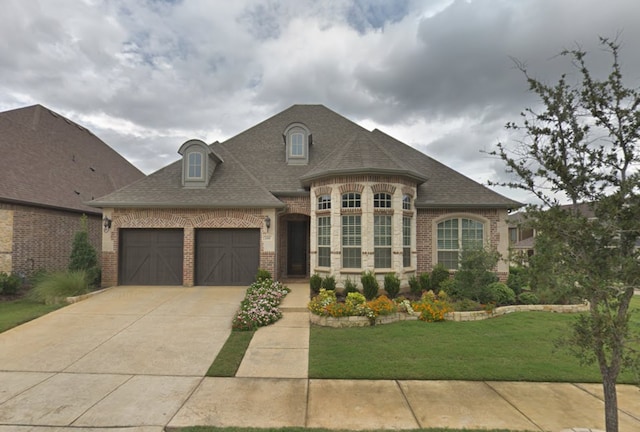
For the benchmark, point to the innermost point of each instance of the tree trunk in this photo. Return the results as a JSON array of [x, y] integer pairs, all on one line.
[[610, 403]]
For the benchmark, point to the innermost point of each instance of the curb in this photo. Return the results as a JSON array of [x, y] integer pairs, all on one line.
[[76, 299]]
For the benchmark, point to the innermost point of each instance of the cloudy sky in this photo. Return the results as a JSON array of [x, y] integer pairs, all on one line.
[[145, 76]]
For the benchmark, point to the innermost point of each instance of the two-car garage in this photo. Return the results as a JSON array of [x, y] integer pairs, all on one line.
[[157, 256]]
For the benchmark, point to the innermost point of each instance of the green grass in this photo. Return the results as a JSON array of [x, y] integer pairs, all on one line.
[[230, 356], [301, 429], [515, 347], [16, 312]]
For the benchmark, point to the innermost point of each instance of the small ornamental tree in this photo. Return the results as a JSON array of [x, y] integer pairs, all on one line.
[[581, 147], [83, 255]]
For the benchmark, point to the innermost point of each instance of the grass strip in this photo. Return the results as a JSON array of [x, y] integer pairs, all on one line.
[[301, 429], [228, 361], [16, 312], [514, 347]]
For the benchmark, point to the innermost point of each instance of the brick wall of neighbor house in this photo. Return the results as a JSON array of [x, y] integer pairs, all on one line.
[[426, 235], [6, 240], [43, 238], [189, 220]]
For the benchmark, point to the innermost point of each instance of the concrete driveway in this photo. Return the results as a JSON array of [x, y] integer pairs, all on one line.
[[130, 355]]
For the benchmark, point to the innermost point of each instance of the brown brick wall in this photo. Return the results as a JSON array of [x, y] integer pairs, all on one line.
[[43, 238], [189, 220]]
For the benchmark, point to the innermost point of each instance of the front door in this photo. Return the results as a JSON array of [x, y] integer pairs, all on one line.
[[297, 248]]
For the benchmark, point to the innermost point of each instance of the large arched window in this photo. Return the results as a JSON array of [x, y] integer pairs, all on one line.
[[455, 235]]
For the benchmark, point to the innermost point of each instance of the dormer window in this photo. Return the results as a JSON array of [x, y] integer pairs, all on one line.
[[297, 139], [198, 163], [194, 161]]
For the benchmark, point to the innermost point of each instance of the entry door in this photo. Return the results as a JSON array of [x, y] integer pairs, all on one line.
[[297, 248]]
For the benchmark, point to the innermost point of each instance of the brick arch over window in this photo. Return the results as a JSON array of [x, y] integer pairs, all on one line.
[[383, 187], [323, 190], [454, 232], [351, 187]]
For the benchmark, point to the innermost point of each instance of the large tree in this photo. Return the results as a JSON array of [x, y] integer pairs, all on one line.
[[578, 154]]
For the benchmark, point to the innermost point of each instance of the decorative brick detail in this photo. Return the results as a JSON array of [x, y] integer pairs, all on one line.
[[297, 205], [383, 187], [323, 190], [408, 191], [351, 187]]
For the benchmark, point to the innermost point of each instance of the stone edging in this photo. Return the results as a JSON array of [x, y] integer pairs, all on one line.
[[76, 299], [360, 321]]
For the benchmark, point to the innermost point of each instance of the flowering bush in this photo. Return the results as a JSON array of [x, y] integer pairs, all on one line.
[[432, 307], [318, 304], [382, 306], [260, 305]]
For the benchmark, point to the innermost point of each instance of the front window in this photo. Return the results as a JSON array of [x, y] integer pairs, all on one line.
[[382, 200], [351, 200], [455, 235], [406, 202], [351, 241], [406, 242], [382, 241], [324, 241], [297, 144], [194, 166], [324, 202]]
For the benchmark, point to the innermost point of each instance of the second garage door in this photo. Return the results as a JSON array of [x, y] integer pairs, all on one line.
[[227, 256]]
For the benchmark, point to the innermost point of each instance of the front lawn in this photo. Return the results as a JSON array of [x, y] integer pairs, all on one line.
[[515, 347], [16, 312]]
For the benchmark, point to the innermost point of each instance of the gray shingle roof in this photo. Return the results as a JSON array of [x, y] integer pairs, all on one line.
[[255, 172], [48, 160]]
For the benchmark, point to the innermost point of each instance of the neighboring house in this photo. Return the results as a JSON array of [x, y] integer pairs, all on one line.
[[305, 191], [49, 168]]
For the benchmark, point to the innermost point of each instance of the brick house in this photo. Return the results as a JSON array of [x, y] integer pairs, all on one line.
[[305, 191], [49, 167]]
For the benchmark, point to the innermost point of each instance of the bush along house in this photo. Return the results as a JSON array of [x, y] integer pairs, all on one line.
[[305, 191]]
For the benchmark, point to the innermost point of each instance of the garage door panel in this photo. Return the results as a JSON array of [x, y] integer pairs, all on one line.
[[151, 257], [227, 256]]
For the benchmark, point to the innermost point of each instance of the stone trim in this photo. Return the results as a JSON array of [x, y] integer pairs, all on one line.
[[383, 187], [351, 187]]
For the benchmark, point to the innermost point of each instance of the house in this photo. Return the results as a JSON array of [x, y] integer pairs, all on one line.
[[50, 166], [305, 191]]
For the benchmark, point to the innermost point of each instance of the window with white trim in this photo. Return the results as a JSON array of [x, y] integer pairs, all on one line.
[[297, 145], [351, 200], [406, 202], [324, 202], [382, 200], [324, 241], [194, 165], [351, 241], [382, 241], [455, 235], [406, 241]]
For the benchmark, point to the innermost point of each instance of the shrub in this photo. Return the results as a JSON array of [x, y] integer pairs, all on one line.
[[350, 287], [356, 303], [466, 305], [316, 283], [382, 306], [391, 285], [425, 281], [56, 287], [438, 275], [450, 286], [83, 255], [262, 275], [369, 285], [518, 278], [318, 304], [476, 273], [9, 284], [431, 307], [528, 298], [329, 283], [500, 294], [414, 285], [260, 305]]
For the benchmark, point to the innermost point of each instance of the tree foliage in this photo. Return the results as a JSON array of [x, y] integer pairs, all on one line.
[[83, 255], [581, 147]]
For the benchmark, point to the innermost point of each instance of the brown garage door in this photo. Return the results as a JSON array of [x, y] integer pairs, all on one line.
[[151, 256], [227, 256]]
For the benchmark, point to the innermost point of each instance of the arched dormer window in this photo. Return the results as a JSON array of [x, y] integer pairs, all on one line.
[[198, 163], [297, 138]]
